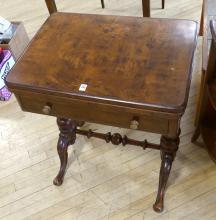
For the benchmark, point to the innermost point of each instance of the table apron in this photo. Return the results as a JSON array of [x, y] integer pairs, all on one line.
[[119, 116]]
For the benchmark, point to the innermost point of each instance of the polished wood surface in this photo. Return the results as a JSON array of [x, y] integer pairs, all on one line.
[[117, 50], [131, 58], [206, 111], [102, 181]]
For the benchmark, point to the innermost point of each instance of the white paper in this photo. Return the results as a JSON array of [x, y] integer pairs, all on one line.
[[83, 87], [4, 24]]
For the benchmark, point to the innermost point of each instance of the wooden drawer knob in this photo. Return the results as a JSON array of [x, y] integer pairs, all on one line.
[[46, 109], [134, 124]]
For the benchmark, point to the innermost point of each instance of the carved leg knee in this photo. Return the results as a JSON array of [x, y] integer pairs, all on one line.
[[67, 137]]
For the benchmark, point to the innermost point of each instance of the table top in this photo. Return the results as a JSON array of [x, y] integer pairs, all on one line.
[[137, 62]]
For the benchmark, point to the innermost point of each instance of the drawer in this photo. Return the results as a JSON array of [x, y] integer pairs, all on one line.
[[101, 113]]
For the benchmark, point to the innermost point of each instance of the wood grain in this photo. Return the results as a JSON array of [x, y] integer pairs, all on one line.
[[120, 50]]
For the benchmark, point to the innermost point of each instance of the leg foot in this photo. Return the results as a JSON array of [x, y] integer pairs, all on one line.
[[67, 137], [169, 147]]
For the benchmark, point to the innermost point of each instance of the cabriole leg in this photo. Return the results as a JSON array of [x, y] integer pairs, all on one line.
[[67, 136], [169, 146]]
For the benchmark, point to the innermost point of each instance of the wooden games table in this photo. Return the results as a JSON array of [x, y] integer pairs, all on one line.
[[121, 71]]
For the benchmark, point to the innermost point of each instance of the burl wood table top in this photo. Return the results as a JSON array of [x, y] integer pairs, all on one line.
[[138, 62]]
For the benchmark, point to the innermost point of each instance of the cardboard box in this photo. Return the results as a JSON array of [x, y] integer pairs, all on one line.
[[19, 41], [5, 66]]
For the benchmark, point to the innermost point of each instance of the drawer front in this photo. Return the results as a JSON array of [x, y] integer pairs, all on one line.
[[94, 112]]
